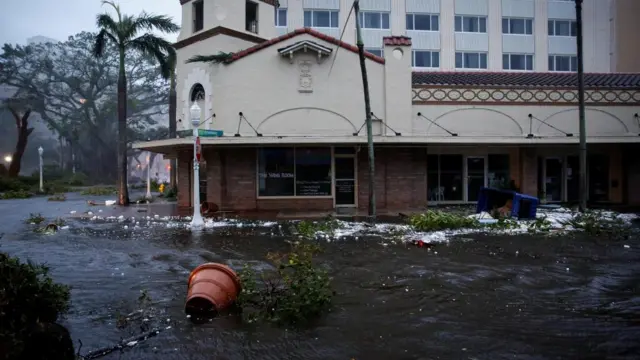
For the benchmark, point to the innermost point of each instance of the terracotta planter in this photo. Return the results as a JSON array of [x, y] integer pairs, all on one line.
[[213, 287], [208, 207]]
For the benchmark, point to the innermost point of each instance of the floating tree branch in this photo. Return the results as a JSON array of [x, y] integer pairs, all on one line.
[[221, 57]]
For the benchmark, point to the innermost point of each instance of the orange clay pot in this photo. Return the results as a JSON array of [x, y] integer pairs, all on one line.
[[213, 287]]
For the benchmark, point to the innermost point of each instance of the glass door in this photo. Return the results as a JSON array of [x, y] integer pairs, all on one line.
[[553, 179], [598, 177], [573, 178], [476, 177], [345, 180]]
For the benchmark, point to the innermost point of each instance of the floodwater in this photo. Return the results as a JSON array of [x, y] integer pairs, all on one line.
[[480, 297]]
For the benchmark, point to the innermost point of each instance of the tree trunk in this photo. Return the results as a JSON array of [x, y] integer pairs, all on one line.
[[22, 125], [172, 127], [123, 191]]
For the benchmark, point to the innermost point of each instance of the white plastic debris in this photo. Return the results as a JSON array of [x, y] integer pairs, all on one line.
[[109, 202]]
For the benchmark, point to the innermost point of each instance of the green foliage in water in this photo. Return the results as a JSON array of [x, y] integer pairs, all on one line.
[[57, 197], [600, 224], [297, 293], [16, 194], [309, 229], [35, 218], [99, 191], [434, 220], [29, 298]]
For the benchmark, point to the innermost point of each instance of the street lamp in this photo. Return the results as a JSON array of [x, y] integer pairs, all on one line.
[[197, 220], [8, 158], [148, 177], [40, 152]]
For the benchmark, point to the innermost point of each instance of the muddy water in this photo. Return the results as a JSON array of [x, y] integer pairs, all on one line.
[[485, 297]]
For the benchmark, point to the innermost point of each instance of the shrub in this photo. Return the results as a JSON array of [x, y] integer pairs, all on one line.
[[35, 218], [29, 299], [100, 191], [309, 229], [12, 184], [298, 292], [438, 220], [598, 223], [16, 194]]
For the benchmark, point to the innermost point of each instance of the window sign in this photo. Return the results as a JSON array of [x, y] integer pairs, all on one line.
[[294, 172]]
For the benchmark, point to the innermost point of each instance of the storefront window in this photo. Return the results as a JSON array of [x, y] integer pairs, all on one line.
[[294, 172], [499, 176], [444, 177]]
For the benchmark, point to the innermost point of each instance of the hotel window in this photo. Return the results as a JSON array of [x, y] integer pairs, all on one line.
[[376, 52], [445, 174], [471, 24], [517, 26], [281, 17], [517, 62], [563, 28], [425, 58], [563, 63], [374, 20], [423, 22], [198, 15], [471, 60], [321, 18], [294, 172]]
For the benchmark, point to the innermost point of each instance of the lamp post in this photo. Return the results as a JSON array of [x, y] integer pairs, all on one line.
[[584, 192], [40, 152], [197, 220], [148, 177]]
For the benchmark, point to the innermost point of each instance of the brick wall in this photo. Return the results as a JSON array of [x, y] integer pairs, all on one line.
[[184, 178], [401, 178]]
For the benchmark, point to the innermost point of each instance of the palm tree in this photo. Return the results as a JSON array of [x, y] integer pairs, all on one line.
[[125, 33]]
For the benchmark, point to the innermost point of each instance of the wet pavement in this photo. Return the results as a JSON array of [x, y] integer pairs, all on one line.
[[476, 297]]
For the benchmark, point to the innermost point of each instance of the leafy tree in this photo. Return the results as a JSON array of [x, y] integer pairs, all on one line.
[[124, 32], [75, 95]]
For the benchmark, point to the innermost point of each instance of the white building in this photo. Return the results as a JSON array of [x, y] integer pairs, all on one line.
[[464, 94]]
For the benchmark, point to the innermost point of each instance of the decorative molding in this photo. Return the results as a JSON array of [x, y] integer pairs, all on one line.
[[497, 96], [306, 81], [218, 30]]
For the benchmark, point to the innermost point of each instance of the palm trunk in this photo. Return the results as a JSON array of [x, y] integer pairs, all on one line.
[[123, 191], [172, 127], [22, 125], [367, 109]]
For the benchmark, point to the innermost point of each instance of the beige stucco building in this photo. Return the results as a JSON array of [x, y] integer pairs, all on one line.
[[288, 104]]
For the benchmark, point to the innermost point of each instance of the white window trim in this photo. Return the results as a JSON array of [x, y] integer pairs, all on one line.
[[563, 71], [322, 10], [470, 52], [278, 17], [470, 32], [374, 12], [414, 21], [554, 28], [533, 62], [533, 26], [413, 58]]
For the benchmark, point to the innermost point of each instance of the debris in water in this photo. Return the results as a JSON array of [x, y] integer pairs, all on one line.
[[627, 246]]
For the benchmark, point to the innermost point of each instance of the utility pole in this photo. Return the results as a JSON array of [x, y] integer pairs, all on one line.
[[367, 109], [581, 112]]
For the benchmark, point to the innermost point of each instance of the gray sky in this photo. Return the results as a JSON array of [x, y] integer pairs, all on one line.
[[58, 19]]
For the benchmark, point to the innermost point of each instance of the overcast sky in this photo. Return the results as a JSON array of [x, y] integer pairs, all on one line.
[[58, 19]]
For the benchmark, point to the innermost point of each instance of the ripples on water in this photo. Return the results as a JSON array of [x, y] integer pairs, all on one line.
[[490, 298]]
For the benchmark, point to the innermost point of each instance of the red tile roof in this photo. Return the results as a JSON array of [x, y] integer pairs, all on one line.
[[397, 40], [314, 33], [520, 79], [270, 2]]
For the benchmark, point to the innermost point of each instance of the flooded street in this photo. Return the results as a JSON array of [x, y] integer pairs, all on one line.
[[476, 297]]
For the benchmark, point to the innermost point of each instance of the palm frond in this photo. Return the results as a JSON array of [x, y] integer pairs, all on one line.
[[156, 47], [100, 42], [221, 57], [115, 6], [162, 23], [106, 22]]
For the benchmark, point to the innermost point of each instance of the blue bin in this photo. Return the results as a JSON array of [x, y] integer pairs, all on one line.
[[523, 206]]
